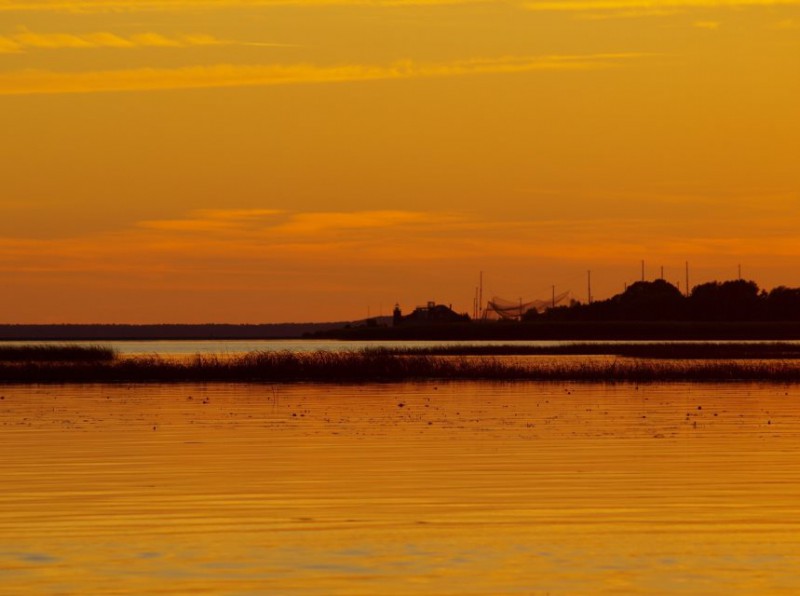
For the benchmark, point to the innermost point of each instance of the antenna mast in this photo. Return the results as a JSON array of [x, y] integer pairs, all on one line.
[[687, 278], [480, 297]]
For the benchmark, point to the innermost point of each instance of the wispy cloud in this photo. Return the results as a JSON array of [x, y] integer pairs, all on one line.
[[214, 220], [787, 25], [245, 238], [315, 223], [647, 5], [99, 6], [25, 40], [278, 223], [633, 13], [229, 75]]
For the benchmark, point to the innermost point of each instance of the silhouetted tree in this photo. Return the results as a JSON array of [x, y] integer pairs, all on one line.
[[531, 315], [737, 300], [658, 300], [783, 304], [655, 300]]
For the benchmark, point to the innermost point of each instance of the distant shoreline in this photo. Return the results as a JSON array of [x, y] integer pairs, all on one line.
[[157, 332], [475, 331], [574, 330]]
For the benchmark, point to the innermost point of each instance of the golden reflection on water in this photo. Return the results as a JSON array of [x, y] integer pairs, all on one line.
[[461, 488]]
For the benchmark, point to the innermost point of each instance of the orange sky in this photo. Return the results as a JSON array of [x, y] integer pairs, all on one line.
[[296, 160]]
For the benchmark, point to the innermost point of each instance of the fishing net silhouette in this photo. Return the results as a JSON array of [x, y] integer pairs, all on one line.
[[501, 309]]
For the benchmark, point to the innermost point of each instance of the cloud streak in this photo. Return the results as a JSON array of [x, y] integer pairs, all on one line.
[[32, 82], [101, 6], [277, 223], [214, 220], [308, 239], [25, 40], [647, 6]]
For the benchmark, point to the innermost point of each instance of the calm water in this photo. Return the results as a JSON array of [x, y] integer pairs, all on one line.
[[455, 489], [184, 348]]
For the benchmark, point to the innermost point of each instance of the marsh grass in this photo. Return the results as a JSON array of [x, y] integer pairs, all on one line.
[[379, 366], [56, 353], [670, 351]]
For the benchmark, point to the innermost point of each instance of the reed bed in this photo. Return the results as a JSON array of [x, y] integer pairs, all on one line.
[[671, 350], [56, 353], [374, 366]]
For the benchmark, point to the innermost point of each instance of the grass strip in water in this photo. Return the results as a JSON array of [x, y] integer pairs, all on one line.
[[56, 353], [372, 366], [664, 350]]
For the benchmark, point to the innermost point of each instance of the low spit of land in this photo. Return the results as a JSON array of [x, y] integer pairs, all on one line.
[[56, 353], [635, 363]]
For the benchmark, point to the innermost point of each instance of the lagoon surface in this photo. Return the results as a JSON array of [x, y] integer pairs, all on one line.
[[425, 488], [181, 348]]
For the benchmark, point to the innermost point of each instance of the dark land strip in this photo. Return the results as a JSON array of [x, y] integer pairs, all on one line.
[[377, 366]]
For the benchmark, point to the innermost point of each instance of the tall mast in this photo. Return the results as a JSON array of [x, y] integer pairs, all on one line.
[[480, 297], [687, 278]]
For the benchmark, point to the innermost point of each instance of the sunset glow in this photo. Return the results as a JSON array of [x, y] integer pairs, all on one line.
[[314, 160]]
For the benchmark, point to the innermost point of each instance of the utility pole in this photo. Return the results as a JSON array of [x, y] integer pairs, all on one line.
[[480, 297], [662, 271], [687, 279]]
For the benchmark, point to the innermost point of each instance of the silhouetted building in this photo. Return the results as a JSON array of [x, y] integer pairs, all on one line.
[[432, 313], [397, 315]]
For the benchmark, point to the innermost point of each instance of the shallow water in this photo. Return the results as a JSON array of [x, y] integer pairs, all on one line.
[[234, 347], [462, 488]]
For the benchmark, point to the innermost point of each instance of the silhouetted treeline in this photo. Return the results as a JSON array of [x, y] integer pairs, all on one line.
[[566, 330], [659, 300]]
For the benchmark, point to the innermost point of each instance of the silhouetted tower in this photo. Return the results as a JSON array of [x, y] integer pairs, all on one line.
[[687, 278], [397, 315], [480, 297]]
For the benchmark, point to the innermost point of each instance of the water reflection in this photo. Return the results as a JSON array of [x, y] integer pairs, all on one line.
[[236, 347], [440, 489]]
